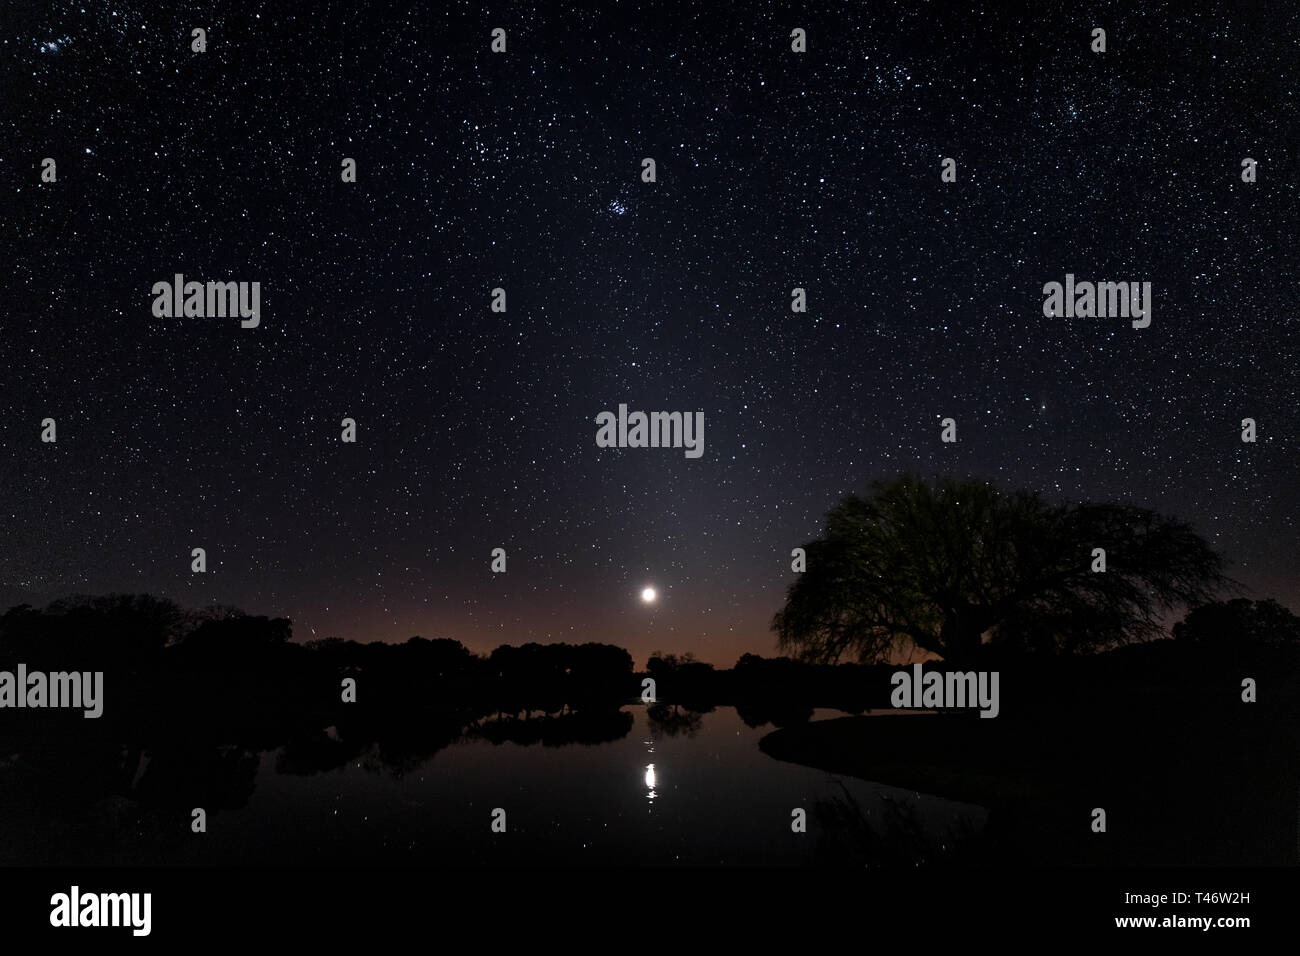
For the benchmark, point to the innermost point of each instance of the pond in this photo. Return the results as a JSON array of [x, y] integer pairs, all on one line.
[[698, 792]]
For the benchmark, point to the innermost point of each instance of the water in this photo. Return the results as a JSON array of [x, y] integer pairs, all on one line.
[[703, 796]]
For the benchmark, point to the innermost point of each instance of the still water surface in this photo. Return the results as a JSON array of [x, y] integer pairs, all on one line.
[[704, 798]]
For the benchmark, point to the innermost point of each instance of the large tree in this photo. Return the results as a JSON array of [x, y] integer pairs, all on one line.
[[940, 567]]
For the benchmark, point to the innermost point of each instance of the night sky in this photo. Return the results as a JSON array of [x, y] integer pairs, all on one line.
[[522, 170]]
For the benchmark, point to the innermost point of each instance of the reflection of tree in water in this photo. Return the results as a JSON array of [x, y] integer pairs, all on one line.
[[400, 748], [573, 727], [214, 777], [779, 712], [669, 720], [315, 753], [894, 836]]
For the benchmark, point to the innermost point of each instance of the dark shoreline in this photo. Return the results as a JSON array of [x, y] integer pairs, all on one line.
[[1219, 786]]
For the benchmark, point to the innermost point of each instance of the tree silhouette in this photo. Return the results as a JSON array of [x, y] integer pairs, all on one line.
[[938, 568], [1240, 623]]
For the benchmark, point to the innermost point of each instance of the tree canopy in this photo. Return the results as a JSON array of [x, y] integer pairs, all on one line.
[[940, 567]]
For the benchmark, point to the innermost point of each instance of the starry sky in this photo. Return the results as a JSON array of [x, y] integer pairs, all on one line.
[[522, 170]]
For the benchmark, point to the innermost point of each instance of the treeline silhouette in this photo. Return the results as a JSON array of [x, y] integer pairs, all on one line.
[[222, 674]]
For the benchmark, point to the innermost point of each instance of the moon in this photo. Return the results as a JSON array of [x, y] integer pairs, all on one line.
[[648, 595]]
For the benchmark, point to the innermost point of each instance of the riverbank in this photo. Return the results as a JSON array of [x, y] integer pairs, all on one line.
[[1214, 786]]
